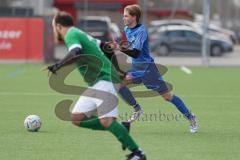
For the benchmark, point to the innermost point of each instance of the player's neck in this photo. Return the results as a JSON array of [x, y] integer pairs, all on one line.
[[65, 30], [133, 25]]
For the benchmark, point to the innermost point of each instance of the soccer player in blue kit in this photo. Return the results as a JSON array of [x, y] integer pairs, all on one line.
[[144, 69]]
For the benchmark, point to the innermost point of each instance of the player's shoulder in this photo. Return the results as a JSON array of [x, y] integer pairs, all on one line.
[[139, 28], [73, 31], [142, 28]]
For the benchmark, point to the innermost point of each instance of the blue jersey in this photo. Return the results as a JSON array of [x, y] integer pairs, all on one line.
[[138, 39]]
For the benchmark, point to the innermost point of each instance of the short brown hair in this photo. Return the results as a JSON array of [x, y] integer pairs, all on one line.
[[134, 10], [63, 18]]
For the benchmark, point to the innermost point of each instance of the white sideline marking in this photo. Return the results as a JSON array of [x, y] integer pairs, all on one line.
[[186, 70], [59, 94]]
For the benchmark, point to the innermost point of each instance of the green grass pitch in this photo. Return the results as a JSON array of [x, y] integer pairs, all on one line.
[[213, 94]]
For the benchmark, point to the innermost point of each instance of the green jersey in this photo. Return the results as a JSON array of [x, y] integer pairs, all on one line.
[[93, 65]]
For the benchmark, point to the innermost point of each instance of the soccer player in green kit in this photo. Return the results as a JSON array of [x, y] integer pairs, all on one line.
[[102, 78]]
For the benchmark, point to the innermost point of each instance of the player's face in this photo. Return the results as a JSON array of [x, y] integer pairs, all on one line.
[[56, 30], [128, 20]]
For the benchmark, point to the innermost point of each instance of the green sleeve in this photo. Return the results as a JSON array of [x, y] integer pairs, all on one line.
[[72, 40]]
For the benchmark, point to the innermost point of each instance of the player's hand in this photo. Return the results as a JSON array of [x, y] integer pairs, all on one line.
[[114, 45], [51, 69], [48, 72]]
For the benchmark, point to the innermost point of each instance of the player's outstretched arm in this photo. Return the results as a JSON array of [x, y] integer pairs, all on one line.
[[132, 53], [110, 54], [109, 47], [71, 57]]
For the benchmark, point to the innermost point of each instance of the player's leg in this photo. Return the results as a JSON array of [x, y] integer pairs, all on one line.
[[83, 114], [128, 98], [123, 90], [180, 105], [84, 111], [109, 122], [153, 80], [119, 131]]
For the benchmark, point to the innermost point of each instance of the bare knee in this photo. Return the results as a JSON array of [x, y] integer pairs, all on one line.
[[167, 96], [106, 122], [77, 118], [126, 81]]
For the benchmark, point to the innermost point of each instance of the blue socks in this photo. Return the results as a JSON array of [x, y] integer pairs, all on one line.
[[181, 106], [128, 98]]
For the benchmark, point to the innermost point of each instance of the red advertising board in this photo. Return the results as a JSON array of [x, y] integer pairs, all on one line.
[[21, 38]]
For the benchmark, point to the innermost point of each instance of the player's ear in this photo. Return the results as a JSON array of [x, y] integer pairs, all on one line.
[[58, 27], [135, 18]]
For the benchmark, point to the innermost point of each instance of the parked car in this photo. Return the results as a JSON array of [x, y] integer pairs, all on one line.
[[97, 26], [212, 29], [230, 34], [169, 39]]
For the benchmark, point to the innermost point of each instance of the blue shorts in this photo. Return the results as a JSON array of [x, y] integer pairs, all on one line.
[[151, 78]]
